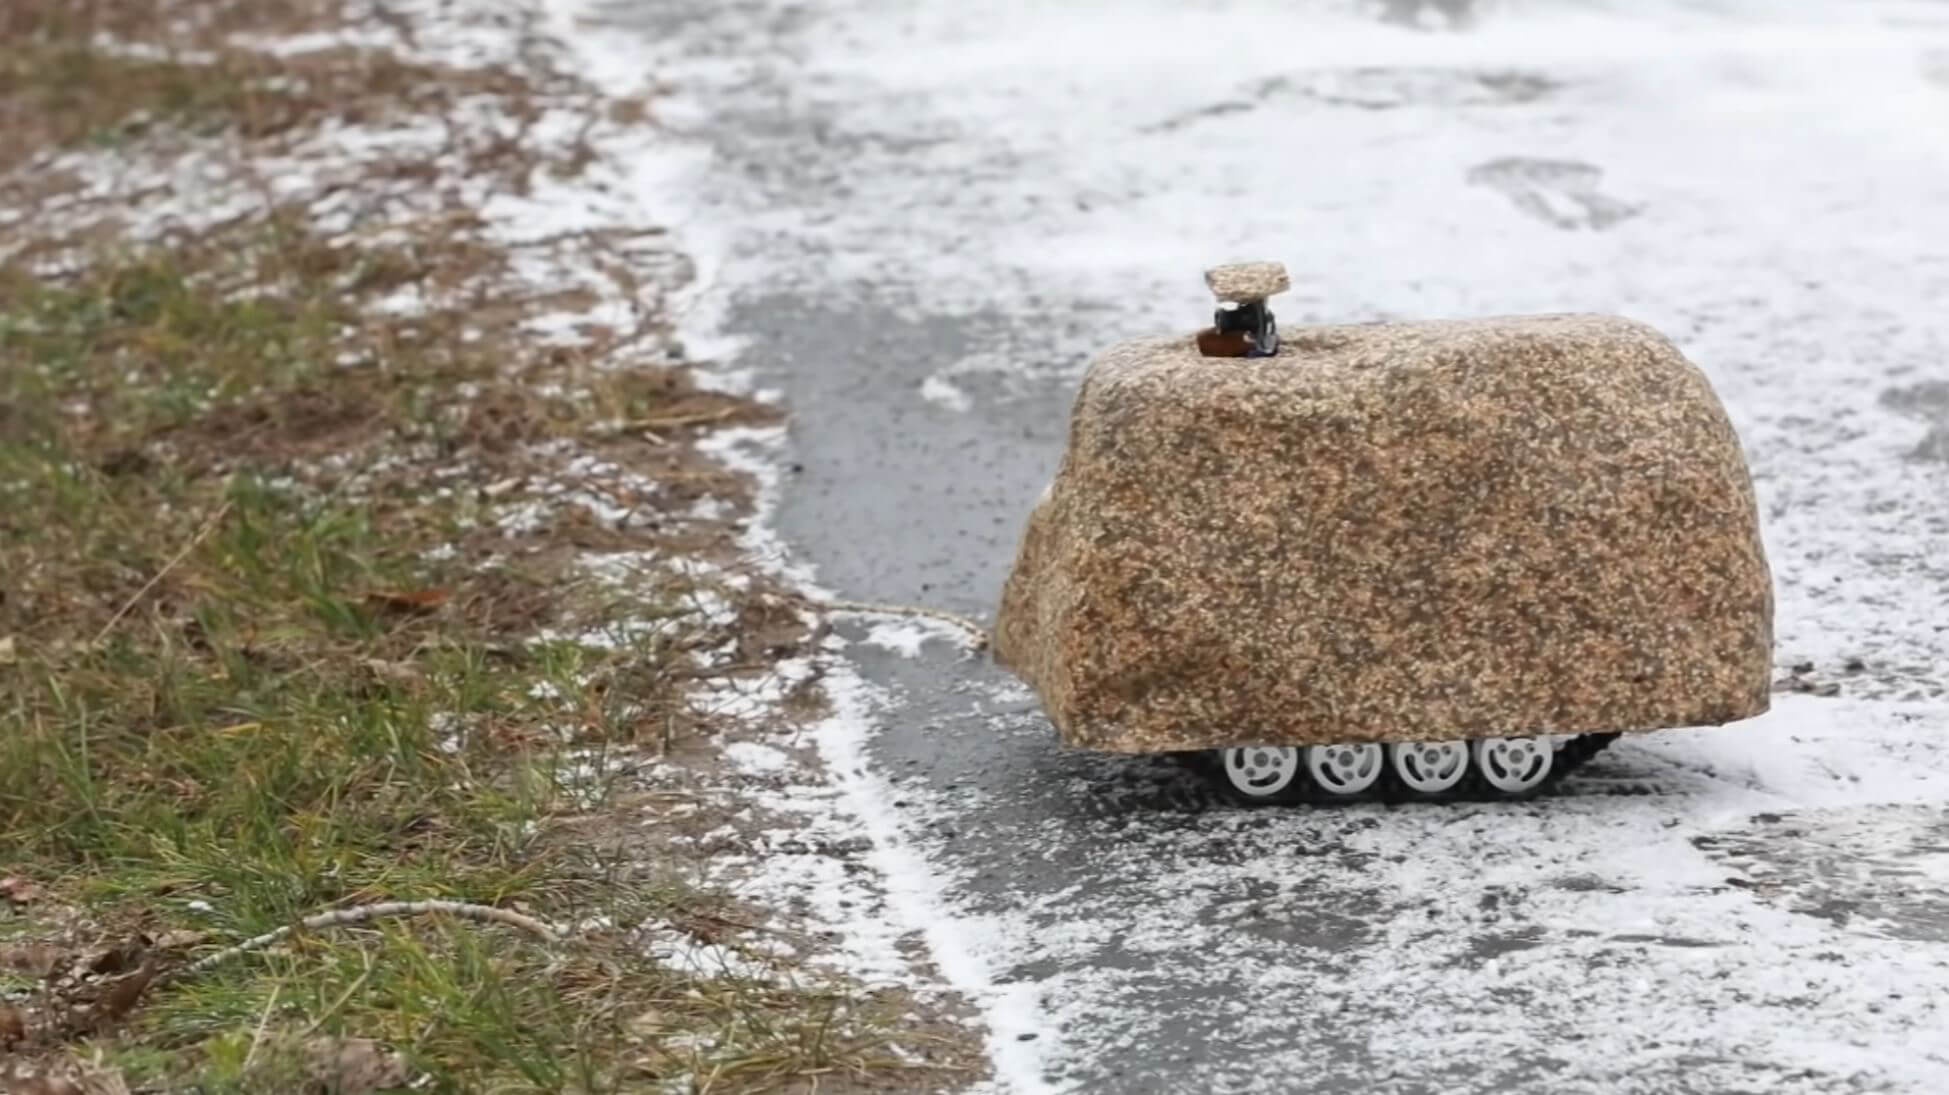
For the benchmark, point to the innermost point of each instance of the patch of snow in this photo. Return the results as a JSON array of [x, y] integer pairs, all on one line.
[[751, 698], [709, 960], [622, 567], [753, 451], [621, 635], [940, 390], [705, 571], [147, 51], [296, 45], [452, 731], [728, 381], [407, 300], [968, 949], [904, 638], [523, 518], [754, 759]]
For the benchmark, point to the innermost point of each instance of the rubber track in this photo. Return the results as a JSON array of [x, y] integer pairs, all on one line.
[[1568, 759], [1472, 788]]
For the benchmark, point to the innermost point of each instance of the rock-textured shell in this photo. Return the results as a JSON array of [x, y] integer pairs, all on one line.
[[1244, 281], [1405, 531]]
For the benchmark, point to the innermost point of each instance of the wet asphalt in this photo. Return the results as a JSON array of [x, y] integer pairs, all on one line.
[[1187, 946], [894, 496]]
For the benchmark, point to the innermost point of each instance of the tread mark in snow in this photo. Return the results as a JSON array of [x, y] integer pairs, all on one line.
[[1562, 193]]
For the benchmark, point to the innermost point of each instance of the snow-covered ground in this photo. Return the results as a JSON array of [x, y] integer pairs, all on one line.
[[1760, 908]]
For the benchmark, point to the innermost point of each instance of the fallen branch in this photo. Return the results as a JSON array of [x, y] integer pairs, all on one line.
[[977, 634], [360, 914]]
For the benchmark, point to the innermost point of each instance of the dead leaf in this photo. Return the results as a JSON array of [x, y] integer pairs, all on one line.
[[13, 1026], [36, 959], [121, 996], [182, 939], [396, 672], [352, 1066], [409, 600], [19, 890], [7, 650]]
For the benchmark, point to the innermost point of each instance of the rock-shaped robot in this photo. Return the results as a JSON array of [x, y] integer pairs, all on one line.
[[1414, 560]]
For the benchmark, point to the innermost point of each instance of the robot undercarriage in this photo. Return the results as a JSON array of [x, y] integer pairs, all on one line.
[[1481, 768]]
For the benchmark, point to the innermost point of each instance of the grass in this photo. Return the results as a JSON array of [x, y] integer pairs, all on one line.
[[96, 71], [234, 697], [265, 650]]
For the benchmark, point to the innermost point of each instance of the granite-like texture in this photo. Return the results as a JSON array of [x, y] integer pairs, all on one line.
[[1242, 281], [1538, 524]]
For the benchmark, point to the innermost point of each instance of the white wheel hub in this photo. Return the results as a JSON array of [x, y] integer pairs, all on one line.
[[1346, 769], [1261, 770], [1514, 765], [1429, 767]]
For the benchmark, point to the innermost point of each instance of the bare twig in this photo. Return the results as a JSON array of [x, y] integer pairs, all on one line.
[[690, 418], [977, 634], [360, 914], [208, 526]]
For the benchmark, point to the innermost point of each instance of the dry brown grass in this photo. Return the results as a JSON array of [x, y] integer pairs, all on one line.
[[266, 640]]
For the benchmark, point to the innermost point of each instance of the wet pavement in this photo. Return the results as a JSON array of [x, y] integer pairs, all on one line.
[[931, 216]]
